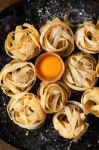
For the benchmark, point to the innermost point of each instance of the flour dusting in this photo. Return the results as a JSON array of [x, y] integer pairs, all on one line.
[[76, 13]]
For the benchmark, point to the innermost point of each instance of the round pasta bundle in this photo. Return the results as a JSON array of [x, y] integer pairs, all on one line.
[[70, 122], [16, 77], [53, 96], [57, 36], [23, 43], [80, 71], [24, 109], [90, 101], [87, 37]]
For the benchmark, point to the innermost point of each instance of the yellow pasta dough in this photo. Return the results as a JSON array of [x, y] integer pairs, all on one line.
[[87, 37], [23, 43], [80, 71], [16, 77], [57, 36], [70, 122], [53, 96], [90, 101], [24, 109], [97, 69]]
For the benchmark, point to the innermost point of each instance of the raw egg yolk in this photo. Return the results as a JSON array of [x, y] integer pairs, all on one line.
[[50, 67]]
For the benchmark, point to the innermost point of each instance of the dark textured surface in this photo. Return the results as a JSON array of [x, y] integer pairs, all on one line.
[[38, 12]]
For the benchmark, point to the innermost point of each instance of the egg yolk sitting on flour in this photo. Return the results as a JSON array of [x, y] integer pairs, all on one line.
[[50, 67]]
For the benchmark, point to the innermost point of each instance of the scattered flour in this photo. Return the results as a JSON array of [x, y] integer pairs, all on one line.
[[76, 13]]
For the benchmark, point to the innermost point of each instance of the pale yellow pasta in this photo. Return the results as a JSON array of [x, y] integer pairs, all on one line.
[[90, 101], [53, 96], [23, 43], [57, 36], [70, 122], [87, 37], [97, 69], [80, 71], [24, 109], [16, 77]]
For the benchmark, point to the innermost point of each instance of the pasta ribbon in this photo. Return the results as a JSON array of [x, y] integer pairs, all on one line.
[[80, 71], [90, 101], [24, 109], [87, 37], [23, 43], [57, 36], [16, 77], [97, 69], [70, 122], [53, 96]]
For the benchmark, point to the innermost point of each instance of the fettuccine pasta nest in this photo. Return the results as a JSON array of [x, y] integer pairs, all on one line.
[[24, 109], [90, 101], [23, 43], [16, 77], [57, 36], [80, 71], [53, 96], [87, 37], [70, 122]]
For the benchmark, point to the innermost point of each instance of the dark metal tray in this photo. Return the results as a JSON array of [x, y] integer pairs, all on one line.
[[38, 12]]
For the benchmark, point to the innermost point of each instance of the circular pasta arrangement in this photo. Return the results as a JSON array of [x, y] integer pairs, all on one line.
[[16, 77], [87, 38], [23, 43], [90, 101], [80, 71], [53, 96], [57, 36], [25, 110], [70, 122]]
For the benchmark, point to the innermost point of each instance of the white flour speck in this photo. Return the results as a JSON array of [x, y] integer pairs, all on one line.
[[27, 133], [98, 141], [69, 146], [9, 140], [4, 104], [89, 145]]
